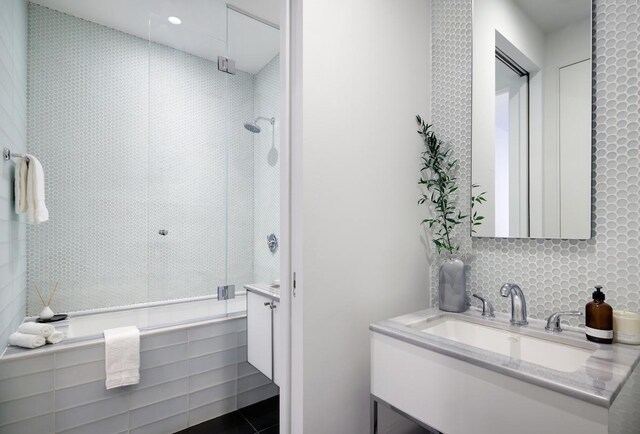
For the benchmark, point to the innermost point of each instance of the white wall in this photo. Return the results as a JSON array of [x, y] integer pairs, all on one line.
[[562, 47], [13, 134], [366, 74]]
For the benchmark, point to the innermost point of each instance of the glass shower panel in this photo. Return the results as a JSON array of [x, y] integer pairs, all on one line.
[[87, 124], [188, 166], [254, 160]]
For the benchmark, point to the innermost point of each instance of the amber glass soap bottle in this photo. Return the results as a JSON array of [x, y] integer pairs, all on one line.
[[599, 319]]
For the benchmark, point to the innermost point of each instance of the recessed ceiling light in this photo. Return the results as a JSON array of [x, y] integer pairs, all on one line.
[[175, 20]]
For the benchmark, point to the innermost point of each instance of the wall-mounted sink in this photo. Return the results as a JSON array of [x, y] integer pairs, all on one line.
[[434, 366], [544, 352]]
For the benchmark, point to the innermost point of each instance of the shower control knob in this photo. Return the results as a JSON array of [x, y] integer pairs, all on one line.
[[272, 243], [163, 232]]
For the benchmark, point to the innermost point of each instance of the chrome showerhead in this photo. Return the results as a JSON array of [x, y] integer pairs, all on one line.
[[253, 126]]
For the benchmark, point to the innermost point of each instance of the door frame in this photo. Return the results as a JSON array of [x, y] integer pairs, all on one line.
[[291, 216]]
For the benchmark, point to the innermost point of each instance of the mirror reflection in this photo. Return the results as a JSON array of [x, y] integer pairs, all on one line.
[[531, 134]]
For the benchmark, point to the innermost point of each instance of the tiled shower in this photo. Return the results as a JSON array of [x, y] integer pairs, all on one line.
[[138, 137]]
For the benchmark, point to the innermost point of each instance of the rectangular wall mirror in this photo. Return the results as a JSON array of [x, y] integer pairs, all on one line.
[[531, 118]]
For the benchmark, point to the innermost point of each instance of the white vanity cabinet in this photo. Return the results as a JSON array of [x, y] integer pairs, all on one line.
[[461, 373], [263, 325]]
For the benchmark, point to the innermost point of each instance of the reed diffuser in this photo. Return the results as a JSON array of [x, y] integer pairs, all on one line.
[[46, 312]]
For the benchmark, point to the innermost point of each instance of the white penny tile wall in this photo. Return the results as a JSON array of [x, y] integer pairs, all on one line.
[[136, 138], [266, 159], [554, 274]]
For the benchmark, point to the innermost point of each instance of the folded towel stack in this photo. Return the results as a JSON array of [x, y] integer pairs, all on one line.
[[34, 335]]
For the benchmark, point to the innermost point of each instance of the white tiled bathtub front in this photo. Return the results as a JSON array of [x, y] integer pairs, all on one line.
[[188, 374]]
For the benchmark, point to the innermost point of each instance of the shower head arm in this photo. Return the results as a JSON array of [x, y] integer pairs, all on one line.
[[270, 120]]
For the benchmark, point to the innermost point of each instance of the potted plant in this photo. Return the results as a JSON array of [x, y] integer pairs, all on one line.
[[437, 175]]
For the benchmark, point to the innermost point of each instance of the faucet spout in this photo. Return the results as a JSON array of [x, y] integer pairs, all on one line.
[[518, 303]]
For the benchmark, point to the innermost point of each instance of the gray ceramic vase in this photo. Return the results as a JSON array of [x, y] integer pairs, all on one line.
[[452, 285]]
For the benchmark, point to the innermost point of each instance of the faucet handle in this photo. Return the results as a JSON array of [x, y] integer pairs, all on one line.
[[487, 307], [553, 322]]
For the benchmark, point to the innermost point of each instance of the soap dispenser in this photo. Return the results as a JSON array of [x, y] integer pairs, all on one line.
[[599, 319]]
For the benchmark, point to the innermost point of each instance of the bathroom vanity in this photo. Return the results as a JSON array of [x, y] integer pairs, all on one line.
[[463, 373], [263, 329]]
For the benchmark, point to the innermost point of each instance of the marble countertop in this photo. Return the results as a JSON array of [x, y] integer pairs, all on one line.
[[598, 380], [264, 289]]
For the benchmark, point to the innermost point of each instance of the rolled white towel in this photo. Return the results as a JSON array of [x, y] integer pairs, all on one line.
[[34, 328], [55, 337], [25, 340]]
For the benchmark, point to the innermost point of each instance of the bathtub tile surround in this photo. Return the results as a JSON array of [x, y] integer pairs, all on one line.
[[77, 98], [13, 133], [555, 274], [89, 108], [188, 375], [109, 123]]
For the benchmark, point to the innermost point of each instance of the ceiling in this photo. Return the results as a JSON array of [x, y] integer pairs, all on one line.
[[552, 15], [203, 32]]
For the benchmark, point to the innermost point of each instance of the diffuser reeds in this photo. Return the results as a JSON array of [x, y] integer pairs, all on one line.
[[51, 294]]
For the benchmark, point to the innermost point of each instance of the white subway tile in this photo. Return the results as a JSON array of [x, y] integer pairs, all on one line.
[[25, 408], [211, 411], [28, 385], [159, 410], [89, 413], [109, 425], [151, 395], [165, 426]]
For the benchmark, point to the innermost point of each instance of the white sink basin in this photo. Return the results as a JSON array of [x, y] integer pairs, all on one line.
[[555, 355]]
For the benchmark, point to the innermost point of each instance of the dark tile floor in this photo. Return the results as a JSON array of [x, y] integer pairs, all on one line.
[[261, 417]]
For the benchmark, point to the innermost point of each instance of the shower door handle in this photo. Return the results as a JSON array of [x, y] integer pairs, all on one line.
[[163, 232]]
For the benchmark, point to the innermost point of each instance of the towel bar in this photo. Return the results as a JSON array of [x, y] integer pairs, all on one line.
[[8, 155]]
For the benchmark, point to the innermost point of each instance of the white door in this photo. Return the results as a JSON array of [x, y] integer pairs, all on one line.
[[575, 150]]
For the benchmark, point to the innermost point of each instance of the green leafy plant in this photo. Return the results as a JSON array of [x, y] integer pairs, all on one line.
[[438, 177], [476, 219]]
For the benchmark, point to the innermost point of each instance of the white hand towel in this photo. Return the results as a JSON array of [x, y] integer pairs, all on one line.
[[55, 337], [36, 209], [35, 328], [26, 341], [20, 186], [122, 356]]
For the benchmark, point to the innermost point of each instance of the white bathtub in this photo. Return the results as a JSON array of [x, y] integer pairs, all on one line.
[[193, 367], [148, 316]]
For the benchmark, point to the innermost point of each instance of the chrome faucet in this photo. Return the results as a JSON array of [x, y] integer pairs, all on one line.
[[553, 322], [518, 303]]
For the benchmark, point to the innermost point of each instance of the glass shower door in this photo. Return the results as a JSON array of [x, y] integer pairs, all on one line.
[[188, 168]]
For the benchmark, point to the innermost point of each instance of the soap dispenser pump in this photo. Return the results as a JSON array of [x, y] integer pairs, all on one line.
[[599, 319]]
